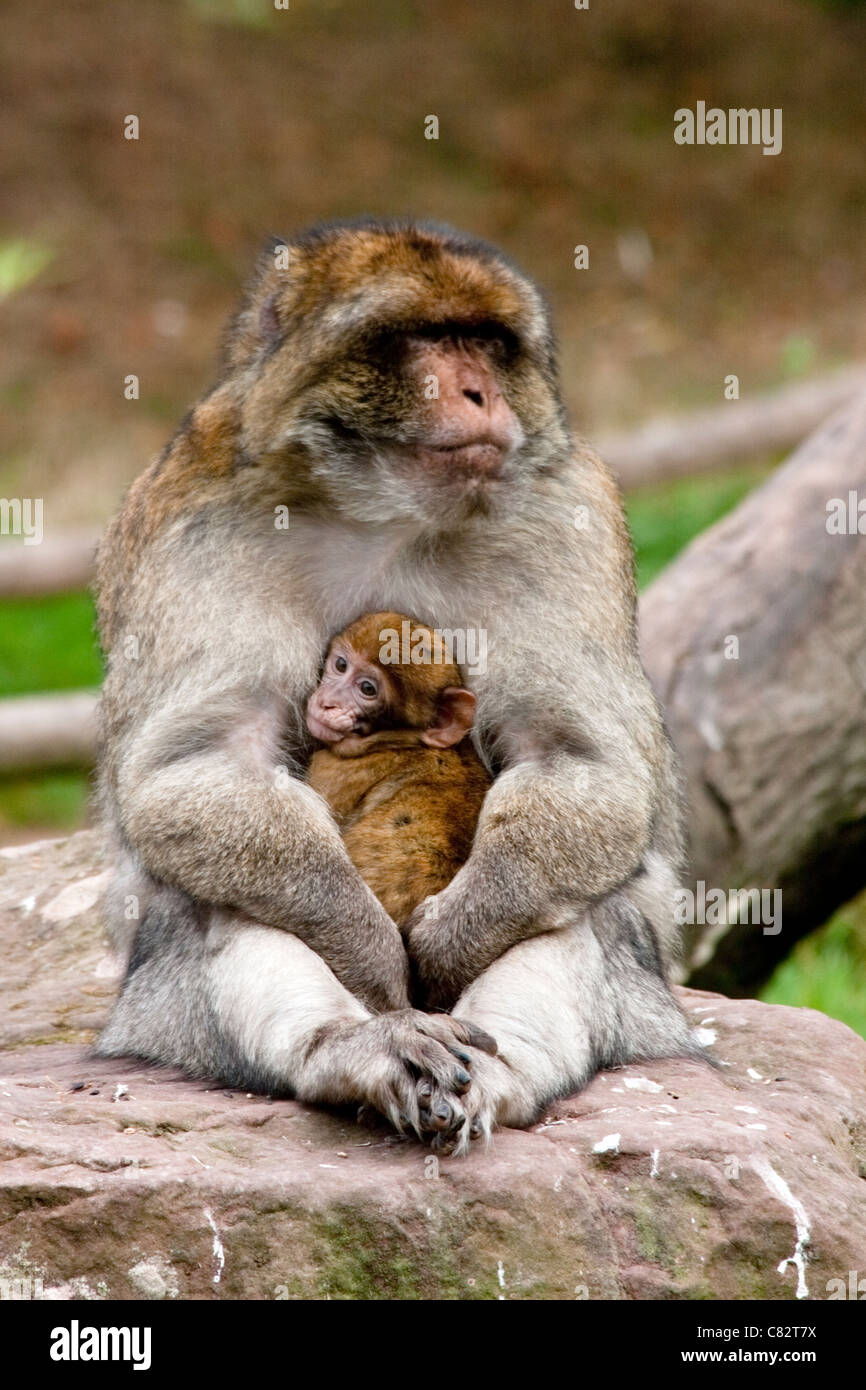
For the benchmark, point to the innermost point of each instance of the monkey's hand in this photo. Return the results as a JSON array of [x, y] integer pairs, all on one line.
[[428, 988], [551, 838], [443, 956]]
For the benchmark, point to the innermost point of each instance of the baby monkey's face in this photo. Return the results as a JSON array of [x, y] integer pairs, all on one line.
[[351, 698], [362, 693]]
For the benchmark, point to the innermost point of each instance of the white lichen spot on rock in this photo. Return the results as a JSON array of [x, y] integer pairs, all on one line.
[[609, 1144], [705, 1036], [780, 1189], [109, 967], [654, 1170], [643, 1083], [73, 1291], [710, 732], [75, 898], [154, 1278], [219, 1253], [755, 1075], [749, 1109]]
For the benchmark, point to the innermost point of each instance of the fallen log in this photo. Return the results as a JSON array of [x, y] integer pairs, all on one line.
[[59, 564], [755, 639], [47, 731], [758, 427]]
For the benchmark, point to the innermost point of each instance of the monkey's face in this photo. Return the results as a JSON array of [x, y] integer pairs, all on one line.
[[351, 697], [359, 695], [406, 373]]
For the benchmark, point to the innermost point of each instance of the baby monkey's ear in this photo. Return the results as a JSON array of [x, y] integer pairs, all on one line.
[[455, 711]]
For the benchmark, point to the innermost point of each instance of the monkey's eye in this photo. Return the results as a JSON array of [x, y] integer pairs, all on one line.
[[368, 688], [341, 663]]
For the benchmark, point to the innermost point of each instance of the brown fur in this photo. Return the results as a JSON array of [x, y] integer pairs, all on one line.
[[407, 812]]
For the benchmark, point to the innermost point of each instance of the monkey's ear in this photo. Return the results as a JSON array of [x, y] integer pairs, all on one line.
[[269, 321], [259, 325], [455, 711]]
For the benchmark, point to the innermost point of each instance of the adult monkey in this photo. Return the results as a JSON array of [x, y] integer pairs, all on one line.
[[394, 387]]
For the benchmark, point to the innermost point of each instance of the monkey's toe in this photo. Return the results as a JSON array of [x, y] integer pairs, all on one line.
[[443, 1128], [476, 1037], [441, 1118], [481, 1107], [455, 1139], [440, 1114]]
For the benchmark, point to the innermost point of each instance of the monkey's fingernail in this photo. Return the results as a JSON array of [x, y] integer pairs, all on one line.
[[483, 1040], [462, 1056], [463, 1078], [475, 1130], [425, 1089]]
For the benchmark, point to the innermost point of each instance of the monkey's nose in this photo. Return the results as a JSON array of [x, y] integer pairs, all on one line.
[[483, 407]]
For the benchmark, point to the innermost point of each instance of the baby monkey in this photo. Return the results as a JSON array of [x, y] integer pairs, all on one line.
[[403, 782]]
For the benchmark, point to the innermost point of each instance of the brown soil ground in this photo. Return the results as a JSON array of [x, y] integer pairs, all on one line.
[[556, 127]]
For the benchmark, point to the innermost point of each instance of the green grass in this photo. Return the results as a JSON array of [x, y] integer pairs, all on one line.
[[54, 801], [20, 263], [827, 970], [47, 644], [664, 518]]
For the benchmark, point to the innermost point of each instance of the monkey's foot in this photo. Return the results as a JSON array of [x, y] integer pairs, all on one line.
[[480, 1107], [427, 1073]]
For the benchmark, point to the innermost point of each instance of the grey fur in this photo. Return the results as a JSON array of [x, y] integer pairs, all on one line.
[[261, 957]]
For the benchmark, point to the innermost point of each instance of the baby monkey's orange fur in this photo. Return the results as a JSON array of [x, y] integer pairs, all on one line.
[[403, 782]]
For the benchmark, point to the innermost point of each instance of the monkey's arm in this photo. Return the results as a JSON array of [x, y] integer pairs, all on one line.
[[544, 850], [208, 818], [571, 816]]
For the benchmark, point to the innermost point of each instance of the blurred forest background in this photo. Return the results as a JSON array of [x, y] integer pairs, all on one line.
[[556, 128]]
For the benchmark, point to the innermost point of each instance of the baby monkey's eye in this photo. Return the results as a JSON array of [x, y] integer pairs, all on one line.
[[341, 663], [368, 688]]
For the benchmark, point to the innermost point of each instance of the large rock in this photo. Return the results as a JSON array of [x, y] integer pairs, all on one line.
[[664, 1180]]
